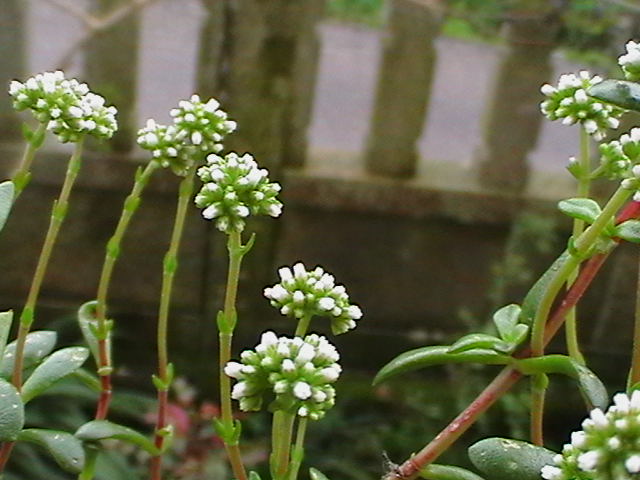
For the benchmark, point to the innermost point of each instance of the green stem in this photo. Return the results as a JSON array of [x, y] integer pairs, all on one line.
[[91, 456], [227, 326], [170, 265], [634, 373], [282, 434], [582, 246], [303, 326], [58, 214], [584, 184], [298, 450], [111, 255], [23, 175]]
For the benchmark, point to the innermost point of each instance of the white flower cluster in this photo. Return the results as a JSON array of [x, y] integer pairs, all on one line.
[[197, 125], [298, 372], [304, 294], [569, 102], [607, 447], [65, 106], [204, 124], [620, 159], [630, 61], [234, 188]]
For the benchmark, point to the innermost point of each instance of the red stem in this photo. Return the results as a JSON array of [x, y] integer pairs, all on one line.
[[508, 376], [105, 382], [156, 461]]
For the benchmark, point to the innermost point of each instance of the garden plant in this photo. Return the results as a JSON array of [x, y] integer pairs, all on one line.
[[293, 374]]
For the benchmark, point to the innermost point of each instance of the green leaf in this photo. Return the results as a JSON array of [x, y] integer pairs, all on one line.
[[6, 319], [621, 93], [506, 459], [629, 231], [591, 387], [436, 355], [37, 346], [254, 476], [505, 319], [583, 209], [317, 475], [53, 368], [103, 429], [518, 335], [478, 340], [65, 449], [11, 412], [435, 471], [7, 191], [88, 323], [532, 299]]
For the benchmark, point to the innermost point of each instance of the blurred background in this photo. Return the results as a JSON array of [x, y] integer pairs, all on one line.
[[415, 166]]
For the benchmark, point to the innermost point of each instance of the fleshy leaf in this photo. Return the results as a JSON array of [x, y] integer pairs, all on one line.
[[478, 340], [506, 459], [53, 368], [436, 355], [88, 322], [629, 231], [518, 334], [38, 345], [532, 299], [317, 475], [6, 319], [103, 429], [7, 191], [593, 390], [621, 93], [65, 449], [254, 476], [11, 412], [583, 209], [506, 319], [435, 471]]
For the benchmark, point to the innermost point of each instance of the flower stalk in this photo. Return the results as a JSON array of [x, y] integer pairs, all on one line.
[[112, 252], [22, 177], [58, 214], [165, 371]]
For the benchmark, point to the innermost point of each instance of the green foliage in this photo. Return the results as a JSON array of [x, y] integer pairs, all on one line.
[[506, 459], [591, 386], [103, 430], [369, 12], [621, 93], [37, 346], [436, 355], [583, 209], [11, 412], [65, 449], [447, 472], [7, 192], [52, 369]]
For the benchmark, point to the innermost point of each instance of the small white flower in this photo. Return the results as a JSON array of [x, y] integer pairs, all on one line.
[[302, 390]]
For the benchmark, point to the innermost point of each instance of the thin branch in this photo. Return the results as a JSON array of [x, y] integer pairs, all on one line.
[[89, 20], [98, 25]]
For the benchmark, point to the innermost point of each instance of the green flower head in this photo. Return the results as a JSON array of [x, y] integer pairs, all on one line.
[[303, 293], [569, 102], [66, 107], [297, 372], [234, 188], [607, 447]]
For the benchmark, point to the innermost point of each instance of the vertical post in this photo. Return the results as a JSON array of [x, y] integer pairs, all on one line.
[[512, 119], [13, 64], [269, 42], [404, 86], [112, 66], [211, 49]]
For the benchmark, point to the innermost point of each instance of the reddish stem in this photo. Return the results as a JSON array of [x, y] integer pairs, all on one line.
[[508, 376], [156, 461], [5, 453], [105, 382]]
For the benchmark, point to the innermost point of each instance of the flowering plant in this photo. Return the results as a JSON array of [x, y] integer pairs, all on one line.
[[295, 374]]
